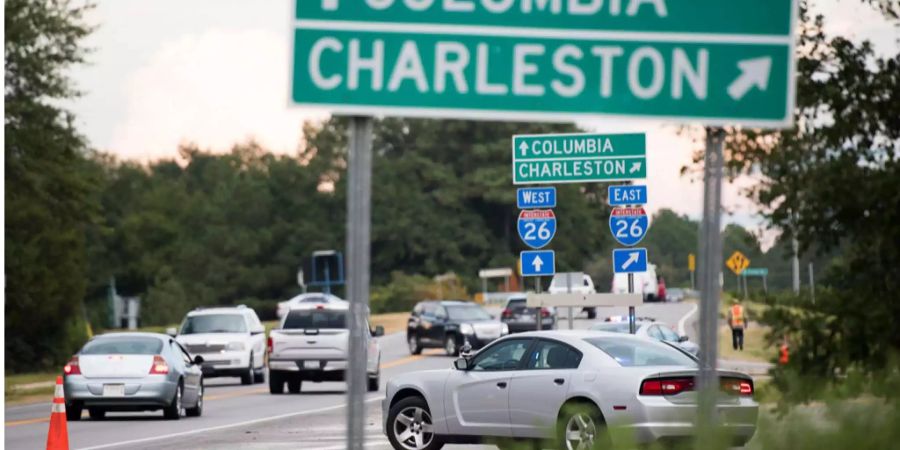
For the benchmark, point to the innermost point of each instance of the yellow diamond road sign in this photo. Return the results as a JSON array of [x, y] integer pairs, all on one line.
[[737, 262]]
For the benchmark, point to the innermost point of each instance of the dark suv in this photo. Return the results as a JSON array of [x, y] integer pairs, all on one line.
[[450, 324]]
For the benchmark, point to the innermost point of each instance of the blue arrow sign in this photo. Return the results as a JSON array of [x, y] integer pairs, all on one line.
[[538, 263], [536, 198], [537, 227], [627, 195], [628, 225], [629, 260]]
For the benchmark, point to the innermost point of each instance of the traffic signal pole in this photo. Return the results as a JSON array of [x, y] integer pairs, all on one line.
[[359, 195], [710, 264]]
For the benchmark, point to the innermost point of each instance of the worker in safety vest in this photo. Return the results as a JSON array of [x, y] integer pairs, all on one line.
[[737, 320]]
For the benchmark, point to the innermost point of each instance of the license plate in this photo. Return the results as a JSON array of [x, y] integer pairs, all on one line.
[[526, 318], [310, 364], [113, 390]]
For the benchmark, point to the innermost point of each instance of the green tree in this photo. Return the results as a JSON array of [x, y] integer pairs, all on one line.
[[48, 194]]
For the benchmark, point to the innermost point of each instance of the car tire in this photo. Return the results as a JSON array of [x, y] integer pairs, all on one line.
[[374, 382], [97, 413], [197, 410], [410, 408], [248, 377], [294, 385], [415, 345], [73, 411], [583, 419], [173, 411], [451, 345], [276, 382], [592, 313]]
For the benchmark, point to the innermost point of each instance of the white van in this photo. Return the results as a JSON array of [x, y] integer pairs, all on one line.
[[644, 283]]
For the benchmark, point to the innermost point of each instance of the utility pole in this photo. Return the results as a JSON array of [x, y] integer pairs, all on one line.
[[359, 195], [812, 283], [710, 271], [795, 261]]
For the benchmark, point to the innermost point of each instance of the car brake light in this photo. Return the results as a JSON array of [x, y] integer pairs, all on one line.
[[545, 312], [159, 367], [506, 313], [746, 388], [667, 386], [269, 344], [72, 367], [737, 386], [320, 306]]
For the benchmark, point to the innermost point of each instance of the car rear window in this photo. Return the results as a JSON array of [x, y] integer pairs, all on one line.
[[123, 346], [638, 352], [310, 319], [516, 303]]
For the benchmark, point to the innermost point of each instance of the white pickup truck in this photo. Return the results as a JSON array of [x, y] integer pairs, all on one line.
[[311, 344]]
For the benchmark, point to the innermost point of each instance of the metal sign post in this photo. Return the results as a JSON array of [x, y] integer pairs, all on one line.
[[359, 195], [710, 262], [569, 291], [631, 325]]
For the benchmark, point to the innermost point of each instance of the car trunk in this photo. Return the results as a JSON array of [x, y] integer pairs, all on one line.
[[310, 343], [115, 366], [690, 396]]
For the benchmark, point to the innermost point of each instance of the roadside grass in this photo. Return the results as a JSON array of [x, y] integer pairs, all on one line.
[[755, 347], [18, 392]]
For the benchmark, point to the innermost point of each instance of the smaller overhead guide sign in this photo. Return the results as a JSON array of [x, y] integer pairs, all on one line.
[[578, 158], [537, 227]]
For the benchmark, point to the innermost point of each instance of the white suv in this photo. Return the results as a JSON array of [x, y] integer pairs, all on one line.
[[311, 344], [231, 340]]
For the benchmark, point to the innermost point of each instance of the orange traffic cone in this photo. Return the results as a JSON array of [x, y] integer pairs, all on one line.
[[58, 436]]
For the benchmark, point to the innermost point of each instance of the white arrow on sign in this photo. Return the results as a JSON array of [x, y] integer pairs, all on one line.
[[754, 72], [537, 263], [632, 258], [635, 167], [524, 147]]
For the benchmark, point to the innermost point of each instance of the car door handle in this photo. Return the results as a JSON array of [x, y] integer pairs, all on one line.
[[501, 385], [559, 381]]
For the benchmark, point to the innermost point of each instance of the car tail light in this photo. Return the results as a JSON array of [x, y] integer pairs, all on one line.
[[72, 367], [160, 366], [545, 312], [506, 313], [666, 386], [737, 386], [269, 344]]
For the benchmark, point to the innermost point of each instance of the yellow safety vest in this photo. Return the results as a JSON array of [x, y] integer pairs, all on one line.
[[737, 316]]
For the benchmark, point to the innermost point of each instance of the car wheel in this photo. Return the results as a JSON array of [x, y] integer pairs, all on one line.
[[581, 426], [73, 411], [374, 382], [197, 410], [259, 376], [247, 377], [592, 313], [415, 346], [276, 383], [175, 409], [97, 413], [451, 346], [294, 385], [409, 426]]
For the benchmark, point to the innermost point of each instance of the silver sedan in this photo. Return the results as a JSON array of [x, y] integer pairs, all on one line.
[[133, 372], [561, 385]]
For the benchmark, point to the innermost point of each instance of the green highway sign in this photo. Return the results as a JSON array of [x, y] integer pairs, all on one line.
[[578, 158], [755, 272], [708, 61]]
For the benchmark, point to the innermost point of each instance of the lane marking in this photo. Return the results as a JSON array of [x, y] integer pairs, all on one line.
[[224, 427], [15, 423], [235, 394], [401, 361], [685, 318]]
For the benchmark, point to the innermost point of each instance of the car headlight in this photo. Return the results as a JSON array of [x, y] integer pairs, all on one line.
[[234, 346], [504, 329], [466, 328]]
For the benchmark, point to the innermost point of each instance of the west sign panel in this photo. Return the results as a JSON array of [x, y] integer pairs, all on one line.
[[708, 61]]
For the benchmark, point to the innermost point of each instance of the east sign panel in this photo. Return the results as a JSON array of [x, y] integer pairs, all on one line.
[[708, 61]]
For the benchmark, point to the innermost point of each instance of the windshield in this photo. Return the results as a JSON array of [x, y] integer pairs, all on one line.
[[638, 352], [214, 323], [467, 313], [123, 346], [315, 318]]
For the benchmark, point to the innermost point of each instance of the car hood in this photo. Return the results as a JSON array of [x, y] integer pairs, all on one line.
[[210, 338]]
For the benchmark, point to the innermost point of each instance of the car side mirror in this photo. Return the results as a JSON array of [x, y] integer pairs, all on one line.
[[379, 331], [461, 364], [682, 338], [171, 331], [198, 360]]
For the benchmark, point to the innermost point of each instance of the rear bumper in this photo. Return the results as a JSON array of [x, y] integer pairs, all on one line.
[[659, 420], [150, 391], [521, 327], [327, 369]]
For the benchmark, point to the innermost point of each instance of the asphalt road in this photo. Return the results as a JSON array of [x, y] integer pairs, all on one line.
[[248, 417]]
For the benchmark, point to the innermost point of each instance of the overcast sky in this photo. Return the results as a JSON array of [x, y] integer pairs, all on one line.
[[215, 72]]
